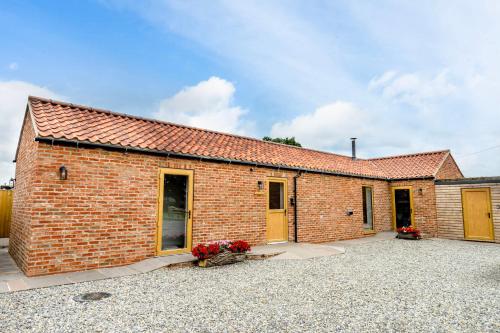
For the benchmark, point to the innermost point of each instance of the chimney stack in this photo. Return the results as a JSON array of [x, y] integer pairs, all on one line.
[[353, 142]]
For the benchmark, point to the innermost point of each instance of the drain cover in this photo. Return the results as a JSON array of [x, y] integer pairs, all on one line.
[[94, 296]]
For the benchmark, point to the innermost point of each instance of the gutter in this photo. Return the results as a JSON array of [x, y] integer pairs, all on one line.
[[466, 181], [108, 146]]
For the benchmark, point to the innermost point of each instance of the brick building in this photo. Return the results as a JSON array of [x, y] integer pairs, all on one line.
[[98, 189]]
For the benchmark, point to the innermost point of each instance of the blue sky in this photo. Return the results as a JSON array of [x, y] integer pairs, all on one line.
[[402, 76]]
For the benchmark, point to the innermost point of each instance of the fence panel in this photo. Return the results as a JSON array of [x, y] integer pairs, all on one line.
[[5, 212]]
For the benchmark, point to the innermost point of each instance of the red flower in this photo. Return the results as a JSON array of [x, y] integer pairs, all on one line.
[[239, 246], [409, 230], [213, 248], [205, 251], [200, 251]]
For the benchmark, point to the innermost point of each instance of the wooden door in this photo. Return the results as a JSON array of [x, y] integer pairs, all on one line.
[[402, 207], [277, 222], [5, 212], [175, 211], [478, 220]]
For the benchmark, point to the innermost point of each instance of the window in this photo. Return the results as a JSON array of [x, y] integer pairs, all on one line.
[[368, 207], [276, 195]]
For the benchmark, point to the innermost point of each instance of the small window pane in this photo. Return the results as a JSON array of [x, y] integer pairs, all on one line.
[[367, 208], [276, 195]]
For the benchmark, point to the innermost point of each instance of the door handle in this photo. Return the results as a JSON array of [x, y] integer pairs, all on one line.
[[189, 214], [489, 215]]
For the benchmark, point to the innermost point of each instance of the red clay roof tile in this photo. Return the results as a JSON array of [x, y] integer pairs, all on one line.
[[61, 120]]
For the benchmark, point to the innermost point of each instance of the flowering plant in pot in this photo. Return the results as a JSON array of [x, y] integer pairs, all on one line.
[[220, 252], [408, 233]]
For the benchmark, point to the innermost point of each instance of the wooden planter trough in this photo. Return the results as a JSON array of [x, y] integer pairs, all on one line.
[[408, 235], [223, 258]]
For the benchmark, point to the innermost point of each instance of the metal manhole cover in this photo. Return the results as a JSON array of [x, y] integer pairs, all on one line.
[[93, 296]]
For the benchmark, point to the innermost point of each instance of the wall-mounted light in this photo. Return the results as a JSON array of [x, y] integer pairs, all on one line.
[[349, 212], [420, 191], [260, 185], [63, 173]]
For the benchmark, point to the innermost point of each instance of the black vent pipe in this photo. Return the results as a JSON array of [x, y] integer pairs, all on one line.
[[353, 143]]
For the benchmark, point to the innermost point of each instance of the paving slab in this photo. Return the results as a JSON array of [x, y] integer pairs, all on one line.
[[17, 285], [90, 275], [11, 277], [46, 281], [7, 264], [4, 287], [287, 251], [147, 265], [4, 242], [117, 271], [177, 259]]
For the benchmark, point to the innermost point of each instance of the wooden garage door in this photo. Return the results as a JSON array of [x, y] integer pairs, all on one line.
[[478, 221]]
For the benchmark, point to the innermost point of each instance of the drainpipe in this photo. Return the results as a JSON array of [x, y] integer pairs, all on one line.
[[295, 219]]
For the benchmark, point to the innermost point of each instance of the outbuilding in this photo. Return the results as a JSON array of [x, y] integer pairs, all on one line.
[[96, 188], [469, 208]]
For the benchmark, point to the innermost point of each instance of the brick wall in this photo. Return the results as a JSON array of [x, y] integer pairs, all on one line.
[[424, 204], [324, 201], [449, 170], [105, 213], [22, 207]]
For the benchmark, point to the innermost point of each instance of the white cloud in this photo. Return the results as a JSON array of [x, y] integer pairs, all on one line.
[[13, 66], [13, 99], [208, 104], [414, 89], [327, 127]]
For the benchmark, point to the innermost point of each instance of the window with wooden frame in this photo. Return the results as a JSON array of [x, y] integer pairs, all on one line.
[[367, 207]]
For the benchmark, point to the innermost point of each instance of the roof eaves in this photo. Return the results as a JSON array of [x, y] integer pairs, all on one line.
[[79, 143]]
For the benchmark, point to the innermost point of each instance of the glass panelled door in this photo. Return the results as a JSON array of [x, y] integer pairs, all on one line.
[[277, 223], [402, 201], [175, 210]]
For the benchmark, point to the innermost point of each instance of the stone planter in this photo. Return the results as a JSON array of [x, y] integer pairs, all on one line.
[[408, 235], [223, 258]]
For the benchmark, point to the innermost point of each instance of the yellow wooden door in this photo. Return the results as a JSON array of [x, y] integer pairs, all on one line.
[[277, 222], [5, 212], [478, 221], [175, 207]]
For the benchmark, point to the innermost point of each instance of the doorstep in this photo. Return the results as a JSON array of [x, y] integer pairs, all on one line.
[[16, 281]]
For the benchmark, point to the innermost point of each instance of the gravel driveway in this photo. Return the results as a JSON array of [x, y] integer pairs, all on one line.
[[395, 285]]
